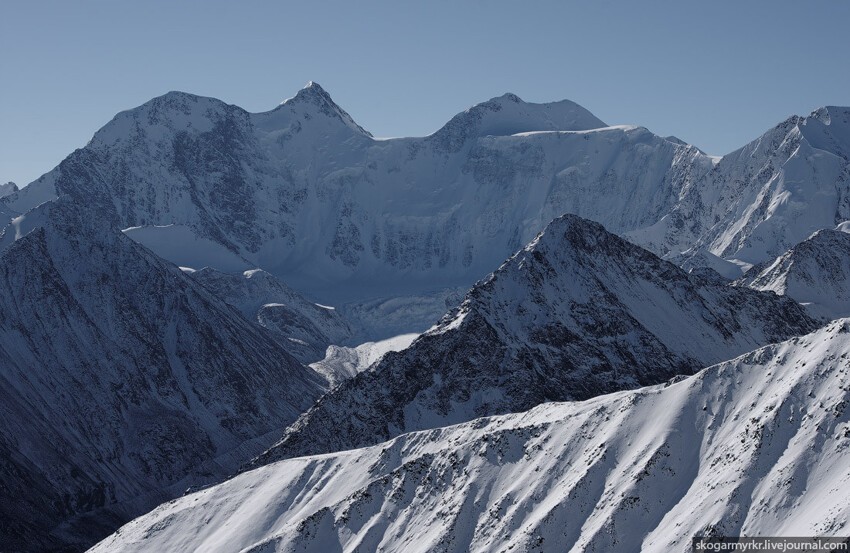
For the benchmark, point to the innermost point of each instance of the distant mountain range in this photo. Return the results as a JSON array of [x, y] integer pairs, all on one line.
[[306, 194]]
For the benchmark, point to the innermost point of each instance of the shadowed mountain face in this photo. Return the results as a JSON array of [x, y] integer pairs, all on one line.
[[123, 380], [577, 313]]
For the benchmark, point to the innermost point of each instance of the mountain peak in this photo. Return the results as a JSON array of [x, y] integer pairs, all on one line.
[[508, 114], [314, 95], [8, 188], [510, 97], [815, 273], [179, 101], [827, 113], [578, 313], [577, 230], [177, 94]]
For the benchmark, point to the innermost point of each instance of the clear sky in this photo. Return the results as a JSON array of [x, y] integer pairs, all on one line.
[[714, 73]]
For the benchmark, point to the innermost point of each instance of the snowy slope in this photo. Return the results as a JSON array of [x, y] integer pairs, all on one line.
[[305, 193], [815, 272], [123, 380], [577, 313], [759, 201], [305, 328], [341, 363], [759, 445]]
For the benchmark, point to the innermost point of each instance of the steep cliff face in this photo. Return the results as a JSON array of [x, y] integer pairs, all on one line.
[[577, 313], [123, 380], [755, 446]]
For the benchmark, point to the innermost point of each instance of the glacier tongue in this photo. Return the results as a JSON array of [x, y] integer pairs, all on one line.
[[759, 445], [304, 328], [341, 363]]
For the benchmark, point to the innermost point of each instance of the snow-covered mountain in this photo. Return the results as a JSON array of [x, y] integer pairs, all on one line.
[[308, 195], [305, 193], [577, 313], [123, 379], [759, 445], [305, 328], [815, 272], [761, 200]]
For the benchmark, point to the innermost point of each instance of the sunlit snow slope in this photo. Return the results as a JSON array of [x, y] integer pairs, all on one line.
[[764, 198], [759, 445]]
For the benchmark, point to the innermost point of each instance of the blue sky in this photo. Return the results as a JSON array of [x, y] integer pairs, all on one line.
[[716, 74]]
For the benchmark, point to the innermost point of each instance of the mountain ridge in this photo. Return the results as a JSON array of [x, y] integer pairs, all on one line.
[[410, 217], [342, 217], [577, 313], [755, 446]]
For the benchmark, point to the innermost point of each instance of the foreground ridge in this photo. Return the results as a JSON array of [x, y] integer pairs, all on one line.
[[759, 445]]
